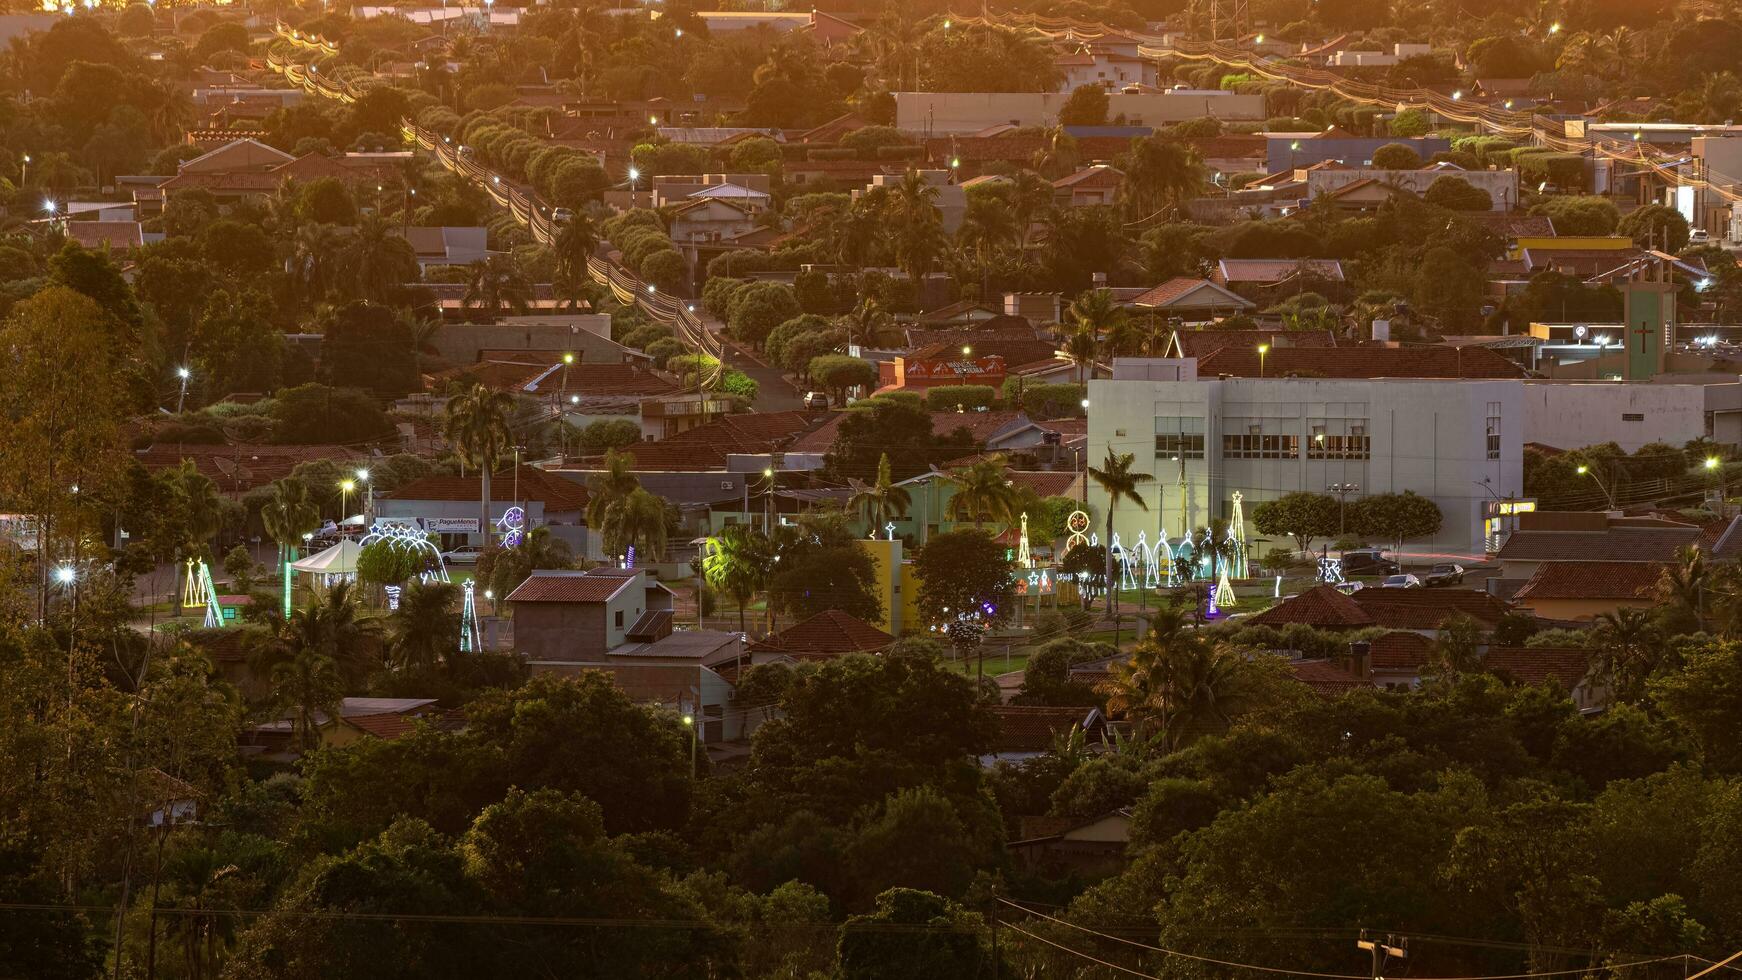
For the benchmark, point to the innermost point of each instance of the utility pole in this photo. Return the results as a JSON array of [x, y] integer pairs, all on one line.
[[1382, 951]]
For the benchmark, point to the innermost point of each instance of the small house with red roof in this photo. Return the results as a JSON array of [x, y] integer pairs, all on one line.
[[830, 633]]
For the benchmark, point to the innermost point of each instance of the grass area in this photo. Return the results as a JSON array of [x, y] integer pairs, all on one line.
[[995, 663]]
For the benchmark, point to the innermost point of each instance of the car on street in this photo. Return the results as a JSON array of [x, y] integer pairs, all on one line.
[[1402, 581], [816, 401], [1369, 561], [466, 554], [562, 216], [1446, 573]]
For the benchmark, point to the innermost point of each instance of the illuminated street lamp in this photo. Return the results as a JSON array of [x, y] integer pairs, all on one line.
[[689, 722], [345, 488], [181, 399], [368, 494], [1263, 349], [1587, 471]]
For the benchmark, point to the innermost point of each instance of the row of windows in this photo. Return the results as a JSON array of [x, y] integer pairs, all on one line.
[[1258, 445]]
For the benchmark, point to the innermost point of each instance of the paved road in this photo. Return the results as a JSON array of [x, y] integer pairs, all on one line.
[[773, 392]]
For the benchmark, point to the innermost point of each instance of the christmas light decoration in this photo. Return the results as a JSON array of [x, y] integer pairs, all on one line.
[[513, 527], [469, 641]]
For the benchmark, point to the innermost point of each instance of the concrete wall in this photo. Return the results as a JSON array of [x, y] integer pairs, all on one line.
[[968, 112], [561, 631], [1570, 414], [1425, 436], [1501, 185]]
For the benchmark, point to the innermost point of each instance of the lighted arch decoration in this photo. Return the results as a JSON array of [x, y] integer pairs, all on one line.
[[1185, 561], [513, 527], [1122, 561], [407, 537], [1077, 524]]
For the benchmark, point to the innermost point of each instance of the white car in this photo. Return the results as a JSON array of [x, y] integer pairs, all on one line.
[[1404, 581], [466, 554]]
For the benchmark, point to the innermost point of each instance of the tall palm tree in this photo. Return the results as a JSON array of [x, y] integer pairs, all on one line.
[[738, 562], [538, 550], [1684, 582], [1082, 350], [610, 485], [1178, 686], [1116, 478], [289, 514], [868, 321], [316, 261], [1159, 174], [477, 427], [308, 687], [422, 325], [883, 500], [496, 283], [1098, 312], [983, 490], [378, 259], [635, 521], [425, 629], [329, 625], [1031, 197], [575, 241], [917, 226]]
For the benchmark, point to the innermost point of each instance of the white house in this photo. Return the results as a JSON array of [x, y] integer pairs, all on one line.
[[1457, 442], [710, 220]]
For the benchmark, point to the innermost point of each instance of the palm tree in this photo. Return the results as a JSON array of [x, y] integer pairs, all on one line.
[[307, 686], [1626, 643], [1031, 197], [495, 283], [1159, 174], [289, 514], [982, 490], [917, 227], [316, 261], [738, 562], [284, 210], [883, 500], [329, 625], [425, 629], [1082, 350], [1116, 478], [477, 427], [610, 485], [421, 325], [378, 259], [1098, 312], [538, 550], [868, 321], [1684, 583], [575, 241], [1178, 685], [637, 520]]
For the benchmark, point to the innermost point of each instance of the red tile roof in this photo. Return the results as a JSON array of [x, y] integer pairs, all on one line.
[[1201, 343], [1317, 606], [1614, 545], [1265, 271], [558, 495], [1046, 483], [1032, 728], [558, 586], [1592, 580], [1361, 362], [1219, 297], [391, 726], [1563, 666], [242, 467], [1426, 609], [831, 632], [1328, 679], [1400, 650], [705, 447]]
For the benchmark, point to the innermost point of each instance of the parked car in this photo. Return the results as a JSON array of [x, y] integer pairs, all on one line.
[[1369, 561], [1699, 236], [816, 401], [466, 554], [1444, 574], [562, 216], [1404, 581]]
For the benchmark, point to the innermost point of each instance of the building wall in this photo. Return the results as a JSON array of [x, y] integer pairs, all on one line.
[[1569, 415], [968, 112], [573, 631], [1578, 609], [1501, 185], [1425, 436], [416, 511]]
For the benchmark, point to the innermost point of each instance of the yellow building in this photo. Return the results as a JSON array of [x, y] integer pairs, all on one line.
[[896, 584]]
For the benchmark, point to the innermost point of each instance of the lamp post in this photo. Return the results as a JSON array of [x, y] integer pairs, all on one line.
[[24, 171], [1263, 349], [768, 501], [345, 488], [68, 577], [181, 399], [368, 496], [1587, 471], [1342, 490], [1715, 466], [689, 722]]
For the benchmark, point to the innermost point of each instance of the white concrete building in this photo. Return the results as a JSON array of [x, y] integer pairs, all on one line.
[[1575, 414], [1458, 443]]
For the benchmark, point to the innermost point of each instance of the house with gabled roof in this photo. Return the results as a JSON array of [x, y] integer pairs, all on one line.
[[1191, 298], [1581, 591], [449, 507], [830, 633], [1096, 185]]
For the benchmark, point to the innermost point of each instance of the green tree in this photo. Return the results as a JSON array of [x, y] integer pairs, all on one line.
[[1457, 194], [942, 941], [635, 521], [881, 501], [1300, 515], [289, 514], [477, 427], [1397, 516], [1160, 173], [1086, 106], [1655, 226], [610, 486], [738, 562], [982, 490], [965, 574], [758, 308], [425, 629], [497, 283], [1396, 156], [308, 688], [1704, 699], [1119, 482], [837, 372]]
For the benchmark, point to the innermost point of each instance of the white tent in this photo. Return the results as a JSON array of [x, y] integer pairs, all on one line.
[[339, 561]]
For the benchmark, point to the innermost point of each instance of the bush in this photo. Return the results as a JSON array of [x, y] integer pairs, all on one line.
[[1045, 401], [718, 292], [315, 413], [1456, 194], [605, 434], [948, 398], [760, 307], [666, 270], [1580, 214], [1396, 156], [838, 372]]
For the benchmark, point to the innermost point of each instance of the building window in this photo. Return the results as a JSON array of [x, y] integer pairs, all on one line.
[[1179, 437], [619, 619], [1493, 430], [1338, 439], [1632, 416], [1252, 442]]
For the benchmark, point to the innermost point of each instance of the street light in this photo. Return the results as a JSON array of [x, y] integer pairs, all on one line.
[[181, 399], [65, 574], [369, 493], [1715, 466], [1263, 349], [345, 488], [1587, 471], [1342, 490], [689, 722]]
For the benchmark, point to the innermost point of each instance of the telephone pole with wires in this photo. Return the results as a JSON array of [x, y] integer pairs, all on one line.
[[1382, 951]]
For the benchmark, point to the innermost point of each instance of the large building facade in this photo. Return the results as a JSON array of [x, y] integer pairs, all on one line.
[[1458, 443]]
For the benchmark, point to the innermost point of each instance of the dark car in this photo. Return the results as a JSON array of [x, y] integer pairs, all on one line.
[[1369, 561], [1444, 574]]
